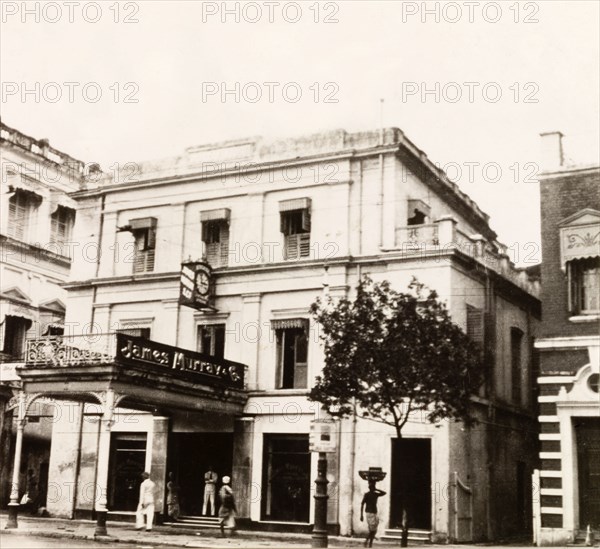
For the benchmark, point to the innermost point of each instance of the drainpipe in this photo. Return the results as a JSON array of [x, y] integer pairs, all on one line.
[[100, 229], [352, 466], [380, 200]]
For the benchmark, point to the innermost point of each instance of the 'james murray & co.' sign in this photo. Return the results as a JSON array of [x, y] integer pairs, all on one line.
[[206, 369]]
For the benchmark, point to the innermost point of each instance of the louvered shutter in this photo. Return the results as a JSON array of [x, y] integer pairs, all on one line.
[[306, 220], [475, 325], [224, 259]]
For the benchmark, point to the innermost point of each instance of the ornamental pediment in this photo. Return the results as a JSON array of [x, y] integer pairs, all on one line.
[[580, 236]]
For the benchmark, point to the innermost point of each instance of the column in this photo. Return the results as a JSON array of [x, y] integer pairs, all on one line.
[[103, 457], [158, 467], [243, 439], [13, 506]]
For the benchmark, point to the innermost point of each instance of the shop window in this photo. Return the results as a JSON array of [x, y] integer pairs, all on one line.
[[215, 235], [584, 285], [286, 478], [292, 356], [15, 332], [295, 226], [61, 225], [20, 212], [211, 340], [516, 345]]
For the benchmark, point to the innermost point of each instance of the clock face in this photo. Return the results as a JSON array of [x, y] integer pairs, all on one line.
[[202, 283]]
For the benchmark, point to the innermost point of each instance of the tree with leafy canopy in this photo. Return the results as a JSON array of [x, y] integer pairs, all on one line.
[[390, 354]]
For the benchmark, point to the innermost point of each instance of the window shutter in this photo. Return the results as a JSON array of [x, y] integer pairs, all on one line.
[[282, 223], [475, 325], [224, 259], [306, 220], [571, 284], [304, 244], [150, 239], [204, 231]]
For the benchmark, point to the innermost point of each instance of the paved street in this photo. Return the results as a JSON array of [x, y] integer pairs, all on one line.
[[19, 541], [38, 533]]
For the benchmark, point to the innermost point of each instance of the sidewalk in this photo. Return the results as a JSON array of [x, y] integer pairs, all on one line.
[[124, 532]]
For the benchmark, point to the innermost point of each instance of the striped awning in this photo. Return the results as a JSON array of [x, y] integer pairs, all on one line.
[[294, 204], [285, 323], [221, 214], [60, 200]]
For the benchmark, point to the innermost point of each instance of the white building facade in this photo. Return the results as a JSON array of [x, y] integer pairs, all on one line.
[[36, 222], [278, 222]]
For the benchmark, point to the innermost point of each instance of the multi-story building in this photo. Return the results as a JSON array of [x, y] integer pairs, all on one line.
[[569, 349], [179, 388], [36, 222]]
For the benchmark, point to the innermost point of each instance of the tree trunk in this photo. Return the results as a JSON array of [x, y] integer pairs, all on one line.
[[403, 496]]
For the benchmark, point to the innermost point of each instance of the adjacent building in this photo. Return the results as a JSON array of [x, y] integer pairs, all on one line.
[[36, 223], [569, 350], [190, 341]]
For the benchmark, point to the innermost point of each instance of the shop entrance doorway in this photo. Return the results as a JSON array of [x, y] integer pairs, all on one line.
[[191, 455]]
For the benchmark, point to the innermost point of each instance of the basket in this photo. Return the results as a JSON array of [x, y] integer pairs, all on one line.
[[374, 474]]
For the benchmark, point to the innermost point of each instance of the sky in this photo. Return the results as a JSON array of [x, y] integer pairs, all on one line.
[[470, 83]]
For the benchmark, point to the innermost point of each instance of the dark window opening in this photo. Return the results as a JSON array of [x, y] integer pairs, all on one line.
[[211, 340], [15, 332], [418, 218]]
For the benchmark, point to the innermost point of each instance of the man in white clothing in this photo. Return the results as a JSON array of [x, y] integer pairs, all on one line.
[[210, 490], [146, 504]]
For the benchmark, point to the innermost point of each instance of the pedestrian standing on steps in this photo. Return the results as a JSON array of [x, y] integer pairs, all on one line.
[[369, 505], [173, 498]]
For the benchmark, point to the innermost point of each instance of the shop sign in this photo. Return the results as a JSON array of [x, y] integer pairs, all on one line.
[[323, 436], [202, 368]]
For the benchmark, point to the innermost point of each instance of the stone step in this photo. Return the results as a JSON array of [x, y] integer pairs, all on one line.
[[191, 522], [416, 535]]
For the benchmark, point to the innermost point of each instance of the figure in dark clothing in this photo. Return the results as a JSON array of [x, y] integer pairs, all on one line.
[[369, 506]]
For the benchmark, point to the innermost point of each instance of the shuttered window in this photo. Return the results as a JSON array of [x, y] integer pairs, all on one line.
[[215, 235], [295, 226], [584, 285], [19, 213], [145, 242], [475, 325], [61, 224]]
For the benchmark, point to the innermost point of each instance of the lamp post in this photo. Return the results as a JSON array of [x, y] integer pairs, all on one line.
[[319, 536], [322, 440]]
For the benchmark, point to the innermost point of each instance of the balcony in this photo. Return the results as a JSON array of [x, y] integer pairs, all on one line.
[[146, 374], [124, 350], [443, 238]]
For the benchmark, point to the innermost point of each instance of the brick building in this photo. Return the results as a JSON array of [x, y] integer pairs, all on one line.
[[569, 347]]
